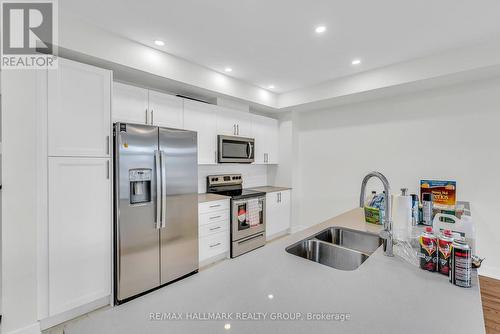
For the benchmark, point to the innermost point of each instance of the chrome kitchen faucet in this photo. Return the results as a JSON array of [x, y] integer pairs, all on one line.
[[386, 233]]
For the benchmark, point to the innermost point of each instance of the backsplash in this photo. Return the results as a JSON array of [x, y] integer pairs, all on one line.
[[253, 175]]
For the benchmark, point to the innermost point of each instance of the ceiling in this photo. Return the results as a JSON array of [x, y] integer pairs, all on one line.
[[273, 42]]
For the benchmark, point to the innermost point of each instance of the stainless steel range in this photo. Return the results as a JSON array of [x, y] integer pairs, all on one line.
[[248, 207]]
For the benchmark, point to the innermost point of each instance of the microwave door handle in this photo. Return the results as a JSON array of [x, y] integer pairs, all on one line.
[[250, 150], [163, 189], [158, 189]]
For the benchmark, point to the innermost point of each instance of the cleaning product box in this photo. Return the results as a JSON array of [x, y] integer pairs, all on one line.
[[444, 192], [373, 215]]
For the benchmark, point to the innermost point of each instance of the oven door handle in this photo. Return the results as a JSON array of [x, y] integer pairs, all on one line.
[[260, 235]]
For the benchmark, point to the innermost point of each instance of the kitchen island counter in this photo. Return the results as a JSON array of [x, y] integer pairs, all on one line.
[[384, 295]]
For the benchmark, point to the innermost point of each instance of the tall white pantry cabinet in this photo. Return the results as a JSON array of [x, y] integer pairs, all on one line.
[[75, 239]]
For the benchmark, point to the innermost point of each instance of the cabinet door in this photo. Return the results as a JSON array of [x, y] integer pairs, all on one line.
[[226, 122], [265, 131], [284, 210], [244, 124], [130, 104], [80, 224], [272, 214], [79, 110], [201, 117], [165, 110], [233, 123], [278, 208]]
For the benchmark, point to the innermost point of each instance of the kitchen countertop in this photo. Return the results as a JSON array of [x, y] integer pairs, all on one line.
[[269, 189], [384, 295], [211, 197]]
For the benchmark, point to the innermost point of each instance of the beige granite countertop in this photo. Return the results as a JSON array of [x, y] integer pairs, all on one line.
[[211, 197], [269, 189]]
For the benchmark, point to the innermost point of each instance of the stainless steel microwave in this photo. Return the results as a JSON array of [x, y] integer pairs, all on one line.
[[235, 149]]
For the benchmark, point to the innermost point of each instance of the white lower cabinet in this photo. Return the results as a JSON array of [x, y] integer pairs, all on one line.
[[79, 230], [278, 212], [213, 231]]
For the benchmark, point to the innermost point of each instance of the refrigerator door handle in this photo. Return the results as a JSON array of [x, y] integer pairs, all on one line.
[[163, 189], [158, 188]]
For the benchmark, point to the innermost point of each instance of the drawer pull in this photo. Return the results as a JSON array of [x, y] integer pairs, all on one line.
[[215, 228], [214, 206], [215, 245], [215, 217]]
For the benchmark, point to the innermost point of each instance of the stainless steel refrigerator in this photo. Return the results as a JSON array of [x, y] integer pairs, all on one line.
[[156, 207]]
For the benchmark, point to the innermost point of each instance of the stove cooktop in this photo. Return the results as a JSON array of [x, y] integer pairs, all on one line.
[[239, 193]]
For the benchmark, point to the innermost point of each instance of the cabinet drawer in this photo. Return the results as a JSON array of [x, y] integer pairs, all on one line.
[[213, 206], [213, 245], [211, 217], [217, 227]]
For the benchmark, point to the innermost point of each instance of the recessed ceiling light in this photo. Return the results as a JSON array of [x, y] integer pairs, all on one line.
[[227, 326], [356, 62], [228, 69], [320, 29], [159, 43], [270, 86], [270, 296]]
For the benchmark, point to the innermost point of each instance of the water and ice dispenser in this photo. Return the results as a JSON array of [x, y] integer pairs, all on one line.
[[140, 185]]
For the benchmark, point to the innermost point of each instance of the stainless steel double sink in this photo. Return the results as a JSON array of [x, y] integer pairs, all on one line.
[[337, 247]]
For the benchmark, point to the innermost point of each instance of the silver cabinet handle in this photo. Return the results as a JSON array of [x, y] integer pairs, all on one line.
[[214, 206], [214, 228], [158, 189], [107, 145], [163, 189], [280, 197], [215, 245], [146, 116], [215, 217], [107, 169], [238, 129], [277, 197], [152, 116]]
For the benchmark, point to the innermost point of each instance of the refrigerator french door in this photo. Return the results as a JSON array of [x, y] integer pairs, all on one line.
[[156, 207]]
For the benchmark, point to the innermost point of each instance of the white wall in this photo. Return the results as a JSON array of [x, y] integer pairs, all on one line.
[[253, 175], [450, 133]]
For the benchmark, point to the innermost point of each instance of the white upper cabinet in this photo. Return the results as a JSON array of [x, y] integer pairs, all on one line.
[[130, 104], [233, 123], [79, 232], [266, 132], [79, 110], [201, 117], [165, 110], [142, 106]]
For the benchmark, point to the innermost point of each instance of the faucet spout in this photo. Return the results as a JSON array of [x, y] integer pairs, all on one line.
[[386, 233]]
